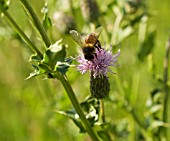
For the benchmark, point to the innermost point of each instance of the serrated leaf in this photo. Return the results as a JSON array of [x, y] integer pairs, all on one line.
[[55, 53], [69, 60], [90, 114], [39, 69], [46, 57], [62, 67], [34, 58], [91, 107], [56, 47], [70, 114], [58, 56], [33, 74], [43, 68]]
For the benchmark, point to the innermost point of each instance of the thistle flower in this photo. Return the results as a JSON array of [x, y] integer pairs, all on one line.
[[98, 68], [100, 65]]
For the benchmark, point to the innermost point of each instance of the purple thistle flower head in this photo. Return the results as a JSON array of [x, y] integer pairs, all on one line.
[[100, 65]]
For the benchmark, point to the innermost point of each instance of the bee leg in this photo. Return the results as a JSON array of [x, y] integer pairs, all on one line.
[[95, 54], [92, 61], [98, 45]]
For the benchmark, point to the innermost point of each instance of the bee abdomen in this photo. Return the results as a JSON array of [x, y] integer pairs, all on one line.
[[89, 49]]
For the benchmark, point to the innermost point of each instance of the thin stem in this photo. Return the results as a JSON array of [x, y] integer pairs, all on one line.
[[37, 23], [166, 88], [102, 112], [76, 105], [21, 33]]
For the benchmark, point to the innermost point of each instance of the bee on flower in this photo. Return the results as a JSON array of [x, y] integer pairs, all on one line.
[[98, 66]]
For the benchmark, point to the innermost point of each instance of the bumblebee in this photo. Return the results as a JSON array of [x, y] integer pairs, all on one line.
[[90, 44]]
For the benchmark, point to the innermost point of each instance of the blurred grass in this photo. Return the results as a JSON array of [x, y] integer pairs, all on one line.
[[27, 106]]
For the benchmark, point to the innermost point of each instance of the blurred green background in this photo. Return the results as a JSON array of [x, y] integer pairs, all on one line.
[[27, 107]]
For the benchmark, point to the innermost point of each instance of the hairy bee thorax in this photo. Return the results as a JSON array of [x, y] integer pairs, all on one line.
[[91, 39]]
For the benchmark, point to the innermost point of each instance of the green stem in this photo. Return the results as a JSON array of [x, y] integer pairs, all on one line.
[[76, 105], [37, 23], [102, 112], [21, 33], [166, 90]]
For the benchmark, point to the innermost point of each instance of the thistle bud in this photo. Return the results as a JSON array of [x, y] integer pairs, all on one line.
[[89, 10], [99, 86], [63, 22]]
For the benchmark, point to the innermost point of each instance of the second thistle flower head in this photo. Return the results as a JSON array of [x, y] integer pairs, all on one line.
[[100, 65]]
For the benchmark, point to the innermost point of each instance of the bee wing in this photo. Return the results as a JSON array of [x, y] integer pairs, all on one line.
[[98, 31], [77, 37]]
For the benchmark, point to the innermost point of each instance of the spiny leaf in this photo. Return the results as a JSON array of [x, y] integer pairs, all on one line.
[[90, 110], [35, 58], [55, 53], [62, 67], [33, 74], [43, 68], [39, 69]]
